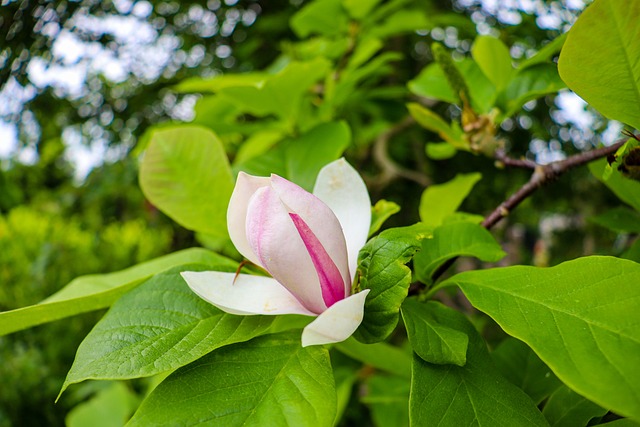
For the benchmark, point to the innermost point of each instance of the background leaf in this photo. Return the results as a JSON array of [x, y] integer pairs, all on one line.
[[429, 336], [379, 355], [453, 240], [475, 394], [494, 59], [520, 365], [386, 397], [626, 189], [566, 408], [580, 317], [96, 291], [608, 80], [268, 381], [186, 174], [620, 220], [439, 201], [159, 326]]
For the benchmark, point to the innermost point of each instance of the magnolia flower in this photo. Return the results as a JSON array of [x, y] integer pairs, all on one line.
[[309, 243]]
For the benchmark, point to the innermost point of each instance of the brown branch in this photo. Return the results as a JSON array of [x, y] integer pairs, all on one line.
[[504, 160], [542, 175], [390, 169]]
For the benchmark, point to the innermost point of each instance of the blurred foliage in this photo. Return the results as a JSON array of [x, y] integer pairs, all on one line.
[[40, 252]]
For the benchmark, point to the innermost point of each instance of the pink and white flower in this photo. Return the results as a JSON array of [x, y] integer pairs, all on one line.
[[308, 242]]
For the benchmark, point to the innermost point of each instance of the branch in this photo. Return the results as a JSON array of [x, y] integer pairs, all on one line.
[[542, 175], [390, 169], [504, 160]]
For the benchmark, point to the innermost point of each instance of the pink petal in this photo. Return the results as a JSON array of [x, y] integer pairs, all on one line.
[[246, 186], [331, 283], [246, 295], [320, 219], [337, 323], [340, 186], [275, 240]]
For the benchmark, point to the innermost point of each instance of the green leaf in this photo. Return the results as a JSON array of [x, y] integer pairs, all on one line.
[[531, 83], [186, 174], [386, 397], [633, 253], [566, 408], [219, 82], [429, 336], [520, 365], [96, 291], [324, 17], [315, 149], [379, 355], [494, 59], [382, 269], [620, 220], [300, 159], [440, 150], [382, 210], [111, 406], [580, 317], [431, 83], [599, 60], [453, 240], [281, 94], [159, 326], [402, 21], [626, 189], [624, 422], [546, 54], [433, 122], [268, 381], [258, 143], [439, 201], [475, 394], [359, 9]]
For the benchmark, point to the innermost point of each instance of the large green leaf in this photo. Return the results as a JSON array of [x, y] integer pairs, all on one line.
[[159, 326], [439, 201], [268, 381], [453, 240], [599, 60], [493, 58], [382, 269], [520, 365], [626, 189], [429, 336], [566, 408], [581, 317], [186, 174], [111, 406], [474, 394], [96, 291]]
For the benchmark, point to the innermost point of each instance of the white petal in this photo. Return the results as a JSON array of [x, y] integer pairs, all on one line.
[[340, 186], [247, 295], [246, 186], [337, 323]]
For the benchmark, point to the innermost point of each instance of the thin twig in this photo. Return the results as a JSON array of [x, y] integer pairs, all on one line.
[[503, 159], [390, 169]]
